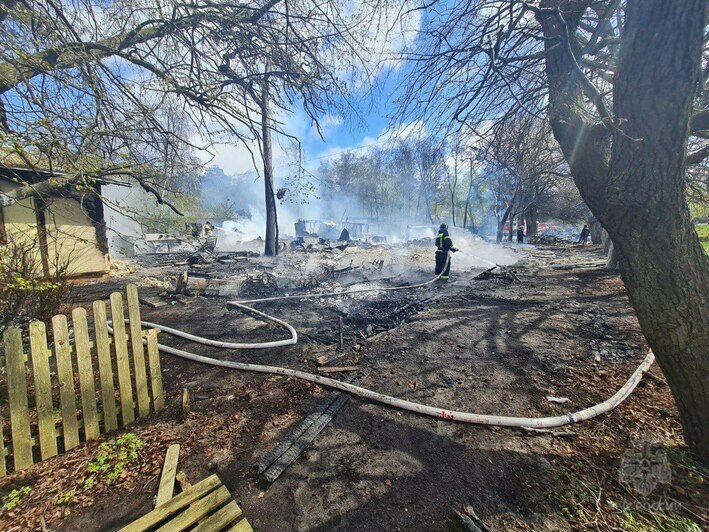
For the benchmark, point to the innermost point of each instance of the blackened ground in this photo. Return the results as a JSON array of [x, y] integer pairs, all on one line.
[[478, 346]]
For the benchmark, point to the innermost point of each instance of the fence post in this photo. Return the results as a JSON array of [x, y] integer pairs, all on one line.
[[65, 372], [120, 342], [136, 341], [105, 367], [86, 373], [43, 389], [17, 391], [155, 371]]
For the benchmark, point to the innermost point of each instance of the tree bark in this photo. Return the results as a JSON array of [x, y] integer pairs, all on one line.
[[606, 241], [467, 199], [662, 263], [509, 233], [613, 260], [532, 222], [501, 224], [632, 176], [596, 229], [271, 244]]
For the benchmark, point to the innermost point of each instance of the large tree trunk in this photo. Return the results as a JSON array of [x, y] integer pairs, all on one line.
[[632, 176], [662, 262], [606, 241], [467, 199], [452, 185], [613, 260], [501, 224], [596, 229], [509, 233], [271, 247], [531, 220]]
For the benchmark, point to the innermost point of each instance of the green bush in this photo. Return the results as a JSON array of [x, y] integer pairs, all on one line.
[[25, 292]]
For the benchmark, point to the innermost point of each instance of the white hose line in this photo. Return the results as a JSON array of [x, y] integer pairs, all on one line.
[[364, 393], [432, 411], [233, 345]]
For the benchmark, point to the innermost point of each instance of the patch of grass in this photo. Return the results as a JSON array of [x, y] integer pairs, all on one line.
[[657, 522], [111, 459], [592, 499], [13, 498], [703, 232]]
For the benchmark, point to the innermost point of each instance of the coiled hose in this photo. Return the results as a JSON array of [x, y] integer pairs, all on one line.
[[370, 395]]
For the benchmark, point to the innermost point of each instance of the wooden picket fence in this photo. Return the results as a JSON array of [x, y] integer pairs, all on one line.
[[43, 431]]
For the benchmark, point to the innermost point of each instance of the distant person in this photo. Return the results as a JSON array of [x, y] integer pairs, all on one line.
[[583, 238], [208, 229], [345, 235], [444, 247], [520, 235]]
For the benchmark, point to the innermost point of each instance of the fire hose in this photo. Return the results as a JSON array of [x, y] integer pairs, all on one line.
[[370, 395]]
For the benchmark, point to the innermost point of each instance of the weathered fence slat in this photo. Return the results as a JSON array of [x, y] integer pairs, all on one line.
[[65, 372], [155, 372], [17, 392], [136, 340], [86, 373], [105, 368], [120, 343], [167, 478], [43, 389], [93, 420], [197, 510]]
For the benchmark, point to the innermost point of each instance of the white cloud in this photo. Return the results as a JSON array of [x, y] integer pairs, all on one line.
[[239, 157], [386, 137]]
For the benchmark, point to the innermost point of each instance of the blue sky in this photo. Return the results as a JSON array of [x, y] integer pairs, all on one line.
[[370, 124]]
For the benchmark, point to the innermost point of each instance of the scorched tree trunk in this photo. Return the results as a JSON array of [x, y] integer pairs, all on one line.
[[271, 247], [630, 170]]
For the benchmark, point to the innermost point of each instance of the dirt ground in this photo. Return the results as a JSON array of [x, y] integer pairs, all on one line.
[[478, 346]]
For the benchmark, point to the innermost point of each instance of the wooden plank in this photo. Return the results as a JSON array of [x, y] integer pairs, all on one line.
[[270, 475], [293, 452], [3, 452], [43, 390], [167, 479], [329, 357], [197, 511], [296, 432], [338, 369], [17, 392], [155, 371], [120, 343], [174, 505], [136, 341], [242, 526], [86, 373], [153, 302], [65, 372], [220, 519], [105, 367]]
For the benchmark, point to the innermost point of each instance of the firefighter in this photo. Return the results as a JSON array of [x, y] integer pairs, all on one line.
[[444, 246], [208, 229]]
